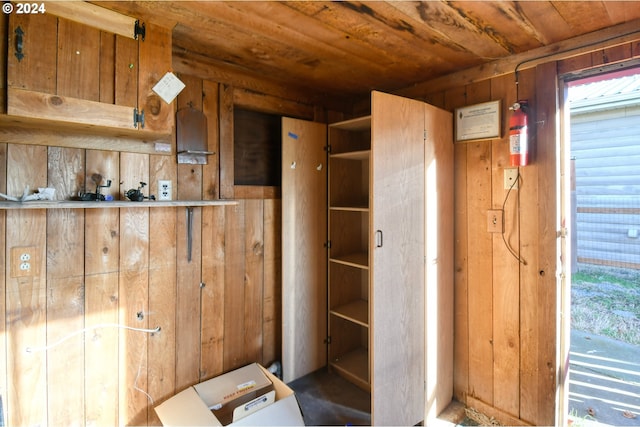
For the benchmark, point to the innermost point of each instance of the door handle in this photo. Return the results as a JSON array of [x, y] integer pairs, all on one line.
[[379, 240]]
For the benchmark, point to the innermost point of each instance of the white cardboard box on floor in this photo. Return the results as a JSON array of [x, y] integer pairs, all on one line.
[[191, 408]]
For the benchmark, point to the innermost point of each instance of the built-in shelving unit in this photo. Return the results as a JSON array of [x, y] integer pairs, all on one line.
[[349, 218]]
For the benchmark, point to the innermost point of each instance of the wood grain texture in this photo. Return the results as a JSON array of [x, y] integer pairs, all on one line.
[[211, 171], [126, 69], [454, 99], [226, 142], [272, 294], [65, 293], [397, 296], [439, 253], [304, 268], [155, 62], [94, 16], [3, 270], [101, 296], [133, 283], [213, 293], [161, 371], [26, 296], [78, 63], [37, 70], [506, 296], [40, 105], [253, 280]]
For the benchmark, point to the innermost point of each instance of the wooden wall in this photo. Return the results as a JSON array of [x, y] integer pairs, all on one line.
[[506, 319], [128, 267]]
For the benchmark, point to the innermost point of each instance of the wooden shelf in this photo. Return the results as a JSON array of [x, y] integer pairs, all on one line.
[[354, 366], [359, 123], [350, 208], [359, 260], [71, 204], [38, 131], [355, 311], [352, 155]]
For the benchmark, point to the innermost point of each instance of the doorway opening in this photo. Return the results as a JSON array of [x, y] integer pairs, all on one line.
[[604, 352]]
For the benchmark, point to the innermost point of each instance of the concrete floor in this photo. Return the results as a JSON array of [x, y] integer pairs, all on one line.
[[329, 400], [604, 381]]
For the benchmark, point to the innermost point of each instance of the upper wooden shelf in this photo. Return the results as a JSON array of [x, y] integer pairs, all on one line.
[[359, 123], [13, 129], [352, 155], [71, 204]]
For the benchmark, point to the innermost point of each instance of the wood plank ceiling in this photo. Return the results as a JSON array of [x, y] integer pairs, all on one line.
[[347, 48]]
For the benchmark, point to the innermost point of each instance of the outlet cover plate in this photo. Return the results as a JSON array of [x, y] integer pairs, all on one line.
[[511, 178], [24, 261], [164, 189]]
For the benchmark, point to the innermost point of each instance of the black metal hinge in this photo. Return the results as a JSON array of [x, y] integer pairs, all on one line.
[[139, 30], [327, 148], [327, 340], [327, 244], [138, 118]]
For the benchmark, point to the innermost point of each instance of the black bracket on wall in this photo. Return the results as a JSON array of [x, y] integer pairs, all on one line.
[[139, 30], [19, 43], [138, 118]]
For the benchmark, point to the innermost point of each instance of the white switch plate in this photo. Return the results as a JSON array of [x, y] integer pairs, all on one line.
[[164, 190]]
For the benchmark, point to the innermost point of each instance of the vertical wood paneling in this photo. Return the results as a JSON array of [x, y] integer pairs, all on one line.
[[107, 67], [162, 291], [101, 293], [480, 273], [37, 70], [226, 142], [133, 285], [546, 117], [506, 295], [65, 291], [254, 279], [189, 301], [130, 269], [234, 291], [456, 98], [211, 171], [213, 293], [155, 58], [26, 296], [4, 22], [3, 258], [480, 286], [126, 71], [272, 302], [78, 63]]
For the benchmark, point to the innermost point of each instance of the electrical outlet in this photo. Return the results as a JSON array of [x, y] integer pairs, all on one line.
[[164, 189], [494, 221], [24, 261], [511, 178]]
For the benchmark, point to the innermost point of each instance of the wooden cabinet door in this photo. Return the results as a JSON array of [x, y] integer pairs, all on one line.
[[397, 258], [304, 256]]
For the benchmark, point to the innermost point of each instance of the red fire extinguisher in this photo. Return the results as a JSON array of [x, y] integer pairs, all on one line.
[[519, 134]]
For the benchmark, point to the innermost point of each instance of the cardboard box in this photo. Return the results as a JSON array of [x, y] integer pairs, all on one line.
[[192, 406]]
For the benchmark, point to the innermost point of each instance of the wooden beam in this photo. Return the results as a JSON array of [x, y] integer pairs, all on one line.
[[608, 37], [94, 16]]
